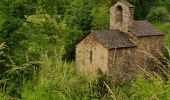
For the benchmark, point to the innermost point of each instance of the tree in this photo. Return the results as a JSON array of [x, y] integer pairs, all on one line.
[[78, 14], [100, 15], [158, 14]]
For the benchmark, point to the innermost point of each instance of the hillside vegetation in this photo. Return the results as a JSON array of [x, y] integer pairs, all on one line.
[[38, 39]]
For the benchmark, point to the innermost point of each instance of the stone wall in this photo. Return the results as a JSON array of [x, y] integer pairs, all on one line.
[[127, 17], [124, 64], [152, 44], [149, 51], [121, 65], [99, 56], [151, 48]]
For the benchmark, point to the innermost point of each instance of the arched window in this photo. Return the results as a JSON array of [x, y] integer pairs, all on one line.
[[119, 14]]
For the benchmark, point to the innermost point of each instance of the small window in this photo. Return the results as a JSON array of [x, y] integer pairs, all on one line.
[[91, 54]]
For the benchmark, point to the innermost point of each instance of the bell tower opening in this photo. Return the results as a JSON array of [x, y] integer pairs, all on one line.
[[119, 14]]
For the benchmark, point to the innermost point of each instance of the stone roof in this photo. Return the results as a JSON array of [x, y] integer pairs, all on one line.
[[127, 3], [144, 28], [113, 39]]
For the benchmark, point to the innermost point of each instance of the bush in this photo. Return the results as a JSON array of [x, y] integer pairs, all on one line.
[[158, 14], [167, 5]]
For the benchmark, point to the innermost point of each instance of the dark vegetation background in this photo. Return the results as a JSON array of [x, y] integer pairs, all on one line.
[[37, 50]]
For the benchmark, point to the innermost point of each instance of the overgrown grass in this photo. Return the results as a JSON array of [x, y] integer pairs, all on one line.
[[58, 80]]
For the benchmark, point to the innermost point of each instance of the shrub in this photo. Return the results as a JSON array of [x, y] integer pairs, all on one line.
[[158, 14]]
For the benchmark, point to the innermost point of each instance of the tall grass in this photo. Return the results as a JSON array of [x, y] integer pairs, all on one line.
[[58, 80]]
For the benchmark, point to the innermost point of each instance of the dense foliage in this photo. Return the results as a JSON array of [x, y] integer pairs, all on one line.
[[38, 39]]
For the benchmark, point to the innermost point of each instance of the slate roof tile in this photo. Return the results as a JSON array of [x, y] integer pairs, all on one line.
[[113, 39], [144, 28]]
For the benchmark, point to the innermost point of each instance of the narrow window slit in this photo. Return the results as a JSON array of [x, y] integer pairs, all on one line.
[[91, 54]]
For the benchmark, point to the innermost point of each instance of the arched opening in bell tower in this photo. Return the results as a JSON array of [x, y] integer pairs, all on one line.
[[119, 14]]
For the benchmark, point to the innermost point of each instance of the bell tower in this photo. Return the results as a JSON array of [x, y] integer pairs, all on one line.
[[121, 15]]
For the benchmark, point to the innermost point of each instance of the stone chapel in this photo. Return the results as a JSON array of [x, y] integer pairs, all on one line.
[[121, 50]]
